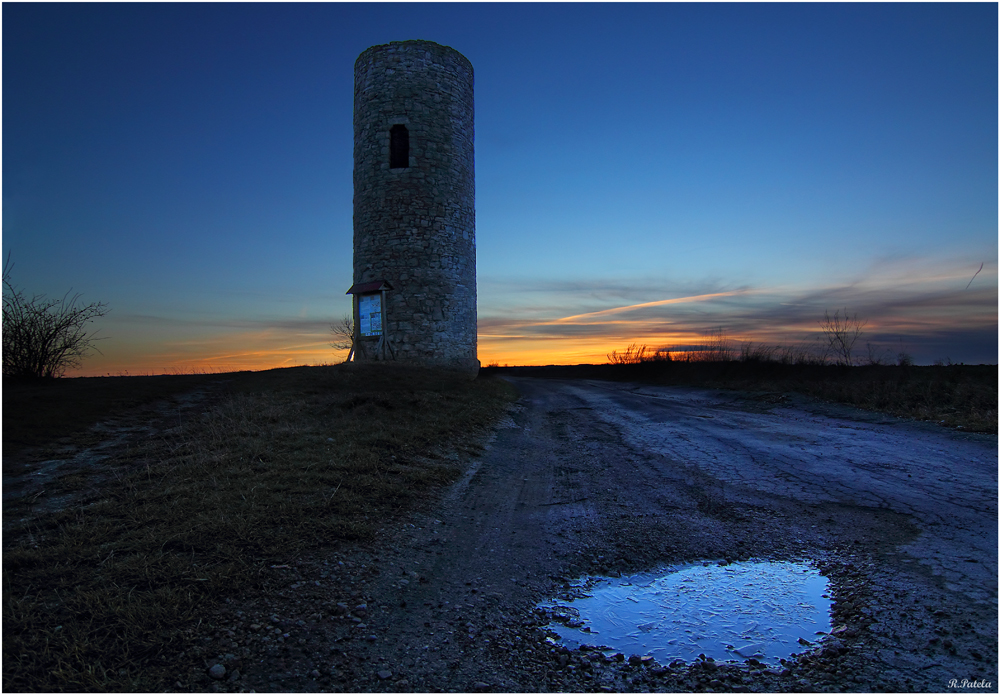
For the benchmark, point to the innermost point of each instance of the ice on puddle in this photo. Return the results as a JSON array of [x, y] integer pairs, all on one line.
[[767, 609]]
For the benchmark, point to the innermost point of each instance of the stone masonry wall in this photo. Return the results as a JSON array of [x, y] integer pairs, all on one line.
[[415, 227]]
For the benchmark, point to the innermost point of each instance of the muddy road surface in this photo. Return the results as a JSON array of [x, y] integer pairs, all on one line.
[[602, 478]]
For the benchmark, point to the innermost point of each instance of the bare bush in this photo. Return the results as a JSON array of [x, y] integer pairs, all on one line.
[[43, 338], [800, 355], [718, 348], [840, 334], [877, 355], [343, 333], [751, 352], [661, 355], [633, 354]]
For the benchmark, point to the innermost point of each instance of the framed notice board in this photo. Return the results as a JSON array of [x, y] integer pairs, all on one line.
[[370, 305], [370, 314]]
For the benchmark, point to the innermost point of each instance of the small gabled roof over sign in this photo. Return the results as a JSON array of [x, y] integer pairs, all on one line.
[[369, 287]]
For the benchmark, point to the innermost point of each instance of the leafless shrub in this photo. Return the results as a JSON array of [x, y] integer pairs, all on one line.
[[343, 333], [718, 348], [661, 355], [633, 354], [877, 355], [801, 356], [721, 347], [751, 352], [681, 355], [880, 356], [840, 334], [42, 338]]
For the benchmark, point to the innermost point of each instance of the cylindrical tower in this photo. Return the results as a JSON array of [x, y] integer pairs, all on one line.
[[414, 204]]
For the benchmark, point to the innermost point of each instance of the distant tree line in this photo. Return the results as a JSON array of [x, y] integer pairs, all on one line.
[[839, 336]]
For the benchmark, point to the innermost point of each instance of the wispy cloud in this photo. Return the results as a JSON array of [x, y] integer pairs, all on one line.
[[924, 303]]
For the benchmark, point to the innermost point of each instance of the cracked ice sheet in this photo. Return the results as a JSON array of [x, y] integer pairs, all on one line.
[[767, 610]]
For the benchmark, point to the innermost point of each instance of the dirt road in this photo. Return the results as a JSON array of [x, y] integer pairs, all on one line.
[[590, 477]]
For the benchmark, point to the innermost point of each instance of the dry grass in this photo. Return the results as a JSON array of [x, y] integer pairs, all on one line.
[[959, 396], [97, 597], [37, 413]]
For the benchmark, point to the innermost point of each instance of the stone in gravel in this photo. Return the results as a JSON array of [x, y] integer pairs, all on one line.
[[480, 687], [234, 676], [217, 672], [314, 673], [834, 646], [384, 675]]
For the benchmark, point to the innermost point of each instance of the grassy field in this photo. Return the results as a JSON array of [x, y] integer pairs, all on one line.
[[43, 412], [100, 594], [959, 396], [97, 595]]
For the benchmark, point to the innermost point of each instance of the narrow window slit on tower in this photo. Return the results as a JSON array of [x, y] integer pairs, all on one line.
[[399, 147]]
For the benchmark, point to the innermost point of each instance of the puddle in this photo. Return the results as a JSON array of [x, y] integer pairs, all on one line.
[[762, 610]]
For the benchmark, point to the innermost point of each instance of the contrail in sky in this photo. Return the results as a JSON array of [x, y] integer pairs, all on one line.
[[974, 276], [661, 302]]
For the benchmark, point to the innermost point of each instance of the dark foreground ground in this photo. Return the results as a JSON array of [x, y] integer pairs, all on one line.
[[592, 477], [599, 477]]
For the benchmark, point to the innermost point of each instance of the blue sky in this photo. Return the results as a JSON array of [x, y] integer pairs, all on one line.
[[645, 173]]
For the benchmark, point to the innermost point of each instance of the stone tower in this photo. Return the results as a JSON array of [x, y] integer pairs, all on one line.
[[414, 206]]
